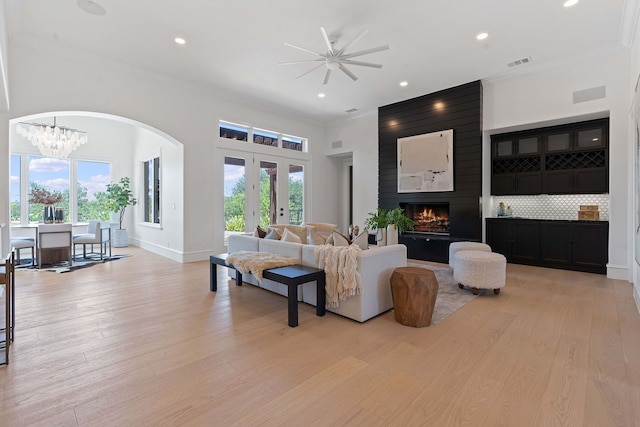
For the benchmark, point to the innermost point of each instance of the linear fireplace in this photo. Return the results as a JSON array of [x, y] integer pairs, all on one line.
[[428, 218]]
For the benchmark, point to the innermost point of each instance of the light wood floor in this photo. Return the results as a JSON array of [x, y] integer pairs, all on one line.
[[142, 342]]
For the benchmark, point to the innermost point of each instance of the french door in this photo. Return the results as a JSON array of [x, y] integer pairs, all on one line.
[[261, 190]]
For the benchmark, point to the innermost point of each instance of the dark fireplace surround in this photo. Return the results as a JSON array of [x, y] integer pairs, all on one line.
[[459, 108], [428, 218]]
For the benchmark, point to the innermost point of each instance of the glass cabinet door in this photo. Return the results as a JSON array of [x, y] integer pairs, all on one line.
[[504, 148], [558, 141], [528, 145], [589, 138]]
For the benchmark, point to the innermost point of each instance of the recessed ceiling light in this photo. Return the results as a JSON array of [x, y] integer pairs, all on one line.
[[570, 3], [91, 7], [482, 36], [179, 40], [403, 84], [321, 95]]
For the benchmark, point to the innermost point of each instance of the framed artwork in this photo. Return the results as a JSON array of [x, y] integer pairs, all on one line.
[[425, 162]]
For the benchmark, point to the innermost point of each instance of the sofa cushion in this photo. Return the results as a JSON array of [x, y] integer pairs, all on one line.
[[362, 240], [298, 230], [315, 238], [339, 239], [289, 236], [272, 234], [260, 232]]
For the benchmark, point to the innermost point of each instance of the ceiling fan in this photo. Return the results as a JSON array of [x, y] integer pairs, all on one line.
[[336, 59]]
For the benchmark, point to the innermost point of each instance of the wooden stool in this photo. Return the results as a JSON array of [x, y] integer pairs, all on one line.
[[414, 291]]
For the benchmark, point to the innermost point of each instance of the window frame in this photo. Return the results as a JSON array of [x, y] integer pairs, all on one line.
[[157, 191], [25, 181], [255, 135]]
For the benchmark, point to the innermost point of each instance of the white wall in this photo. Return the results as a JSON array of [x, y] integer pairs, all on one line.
[[43, 82], [359, 137], [543, 97], [634, 153], [165, 238]]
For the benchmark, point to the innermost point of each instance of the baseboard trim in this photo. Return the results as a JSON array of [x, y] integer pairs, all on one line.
[[158, 250], [619, 272], [636, 296]]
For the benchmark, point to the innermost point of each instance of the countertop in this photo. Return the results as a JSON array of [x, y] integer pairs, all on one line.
[[546, 219]]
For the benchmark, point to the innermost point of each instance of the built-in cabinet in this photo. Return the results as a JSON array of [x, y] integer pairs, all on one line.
[[570, 245], [568, 159]]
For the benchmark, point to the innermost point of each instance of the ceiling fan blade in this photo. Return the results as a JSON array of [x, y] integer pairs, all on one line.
[[326, 77], [353, 41], [301, 62], [327, 42], [365, 52], [348, 73], [364, 64], [305, 50], [307, 72]]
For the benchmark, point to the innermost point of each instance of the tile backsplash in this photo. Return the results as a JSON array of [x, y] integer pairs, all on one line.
[[551, 206]]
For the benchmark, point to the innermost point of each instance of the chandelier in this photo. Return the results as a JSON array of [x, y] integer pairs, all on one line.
[[52, 141]]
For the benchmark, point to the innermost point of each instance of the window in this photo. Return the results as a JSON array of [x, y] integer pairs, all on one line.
[[76, 186], [48, 185], [292, 143], [15, 190], [261, 136], [152, 191], [231, 131], [93, 178], [265, 138]]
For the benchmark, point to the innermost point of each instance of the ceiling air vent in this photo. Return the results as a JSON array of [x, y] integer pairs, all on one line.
[[522, 61], [351, 110]]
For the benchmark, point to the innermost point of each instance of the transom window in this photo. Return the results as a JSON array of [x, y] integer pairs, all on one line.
[[244, 133]]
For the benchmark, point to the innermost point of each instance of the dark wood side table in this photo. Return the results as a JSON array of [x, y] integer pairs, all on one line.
[[292, 276], [216, 260]]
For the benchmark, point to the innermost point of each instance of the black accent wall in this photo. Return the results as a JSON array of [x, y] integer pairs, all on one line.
[[458, 108]]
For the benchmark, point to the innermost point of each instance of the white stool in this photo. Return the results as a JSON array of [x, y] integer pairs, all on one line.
[[480, 270], [465, 246], [18, 243]]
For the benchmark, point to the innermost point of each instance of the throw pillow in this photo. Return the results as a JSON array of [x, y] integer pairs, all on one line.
[[339, 239], [272, 235], [295, 229], [290, 236], [259, 232], [315, 238], [362, 240]]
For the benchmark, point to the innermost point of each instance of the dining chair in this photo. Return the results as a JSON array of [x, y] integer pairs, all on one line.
[[18, 243], [54, 236], [98, 233]]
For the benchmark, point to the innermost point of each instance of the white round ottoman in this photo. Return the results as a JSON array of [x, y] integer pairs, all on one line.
[[480, 270], [465, 246]]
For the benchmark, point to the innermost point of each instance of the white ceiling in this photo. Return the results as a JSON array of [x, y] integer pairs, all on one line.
[[237, 45]]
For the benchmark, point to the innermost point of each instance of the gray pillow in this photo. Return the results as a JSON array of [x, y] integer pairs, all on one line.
[[272, 235]]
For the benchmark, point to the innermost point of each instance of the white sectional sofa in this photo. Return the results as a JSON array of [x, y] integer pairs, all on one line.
[[375, 266]]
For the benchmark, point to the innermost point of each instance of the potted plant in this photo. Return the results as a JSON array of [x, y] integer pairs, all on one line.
[[398, 223], [378, 221], [119, 196]]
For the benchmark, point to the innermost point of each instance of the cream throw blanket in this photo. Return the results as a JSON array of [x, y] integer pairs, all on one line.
[[256, 262], [340, 264]]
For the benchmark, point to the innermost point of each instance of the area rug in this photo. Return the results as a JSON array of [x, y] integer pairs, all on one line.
[[75, 264], [450, 297]]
